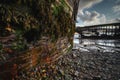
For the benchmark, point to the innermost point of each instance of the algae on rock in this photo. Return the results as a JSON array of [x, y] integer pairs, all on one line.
[[37, 29], [45, 18]]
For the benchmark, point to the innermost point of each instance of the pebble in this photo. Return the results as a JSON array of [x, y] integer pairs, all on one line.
[[87, 66], [74, 55], [61, 72], [76, 73]]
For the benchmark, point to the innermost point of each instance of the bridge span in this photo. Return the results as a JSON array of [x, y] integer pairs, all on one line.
[[111, 30]]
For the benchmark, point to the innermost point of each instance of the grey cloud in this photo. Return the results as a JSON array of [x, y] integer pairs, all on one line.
[[90, 18], [116, 20], [87, 16], [118, 2], [116, 7], [87, 4]]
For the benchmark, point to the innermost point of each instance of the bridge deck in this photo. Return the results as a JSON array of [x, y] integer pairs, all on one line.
[[103, 30]]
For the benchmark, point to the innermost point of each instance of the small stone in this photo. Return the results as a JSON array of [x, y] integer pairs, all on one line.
[[85, 45], [68, 77], [43, 70], [44, 75], [74, 55], [98, 50], [61, 72], [76, 73]]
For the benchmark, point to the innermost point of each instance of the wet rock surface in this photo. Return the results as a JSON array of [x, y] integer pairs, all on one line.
[[79, 65], [31, 31]]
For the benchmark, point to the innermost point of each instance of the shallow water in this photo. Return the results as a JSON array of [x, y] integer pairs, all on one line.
[[111, 43], [97, 44]]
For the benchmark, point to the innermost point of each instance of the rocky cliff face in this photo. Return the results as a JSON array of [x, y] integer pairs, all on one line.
[[35, 30]]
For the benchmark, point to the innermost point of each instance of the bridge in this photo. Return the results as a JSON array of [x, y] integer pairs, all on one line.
[[111, 30]]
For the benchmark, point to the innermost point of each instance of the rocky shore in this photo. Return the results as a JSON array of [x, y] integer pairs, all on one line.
[[81, 64]]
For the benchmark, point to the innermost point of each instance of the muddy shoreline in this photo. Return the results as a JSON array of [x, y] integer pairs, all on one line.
[[85, 63]]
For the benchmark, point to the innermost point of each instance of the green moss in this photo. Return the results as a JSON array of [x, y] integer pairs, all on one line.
[[38, 16]]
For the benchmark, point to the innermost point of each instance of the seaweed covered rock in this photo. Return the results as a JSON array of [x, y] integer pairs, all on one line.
[[50, 18], [33, 32]]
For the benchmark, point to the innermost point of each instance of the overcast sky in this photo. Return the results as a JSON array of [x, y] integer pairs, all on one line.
[[92, 12]]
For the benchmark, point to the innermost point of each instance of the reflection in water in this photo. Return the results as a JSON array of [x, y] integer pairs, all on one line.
[[111, 43]]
